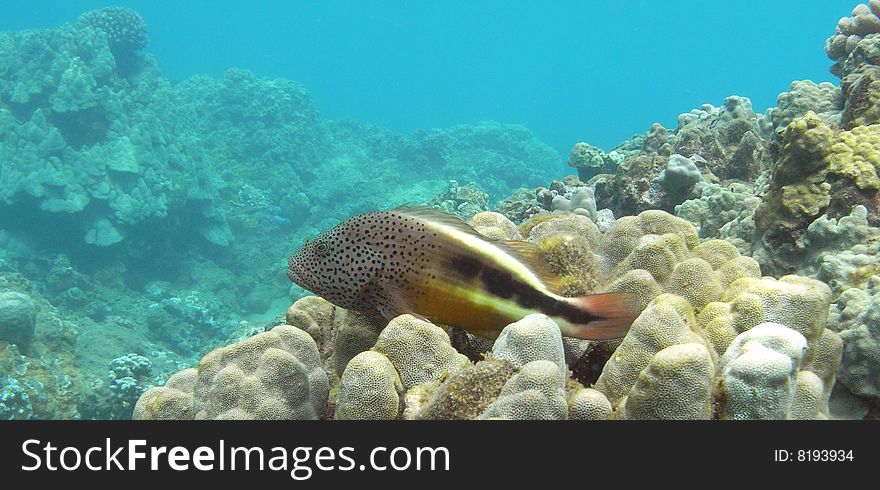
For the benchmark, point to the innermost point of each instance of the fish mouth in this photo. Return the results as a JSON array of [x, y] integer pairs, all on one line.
[[292, 275]]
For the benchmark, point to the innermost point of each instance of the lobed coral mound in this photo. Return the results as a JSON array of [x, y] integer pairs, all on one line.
[[715, 340]]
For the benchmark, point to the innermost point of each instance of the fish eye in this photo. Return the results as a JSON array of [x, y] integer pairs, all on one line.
[[322, 247]]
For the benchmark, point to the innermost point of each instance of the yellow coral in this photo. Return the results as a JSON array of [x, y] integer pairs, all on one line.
[[495, 226], [370, 389], [669, 320], [797, 302], [676, 385]]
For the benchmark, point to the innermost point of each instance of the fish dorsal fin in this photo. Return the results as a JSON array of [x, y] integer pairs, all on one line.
[[528, 254], [435, 215]]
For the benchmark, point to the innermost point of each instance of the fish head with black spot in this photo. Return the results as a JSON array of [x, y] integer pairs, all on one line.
[[423, 262]]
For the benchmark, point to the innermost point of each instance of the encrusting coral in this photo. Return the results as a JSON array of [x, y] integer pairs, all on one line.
[[820, 171]]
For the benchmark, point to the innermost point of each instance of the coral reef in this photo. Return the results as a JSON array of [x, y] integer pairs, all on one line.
[[534, 338], [679, 177], [588, 404], [464, 394], [591, 161], [370, 389], [856, 317], [93, 158], [722, 143], [847, 45], [797, 302], [676, 384], [656, 252], [163, 209], [493, 154], [823, 99], [18, 319], [126, 379], [668, 320], [841, 252], [758, 372], [463, 201], [495, 226], [125, 29], [537, 392], [174, 401], [819, 171], [272, 375], [420, 351], [718, 208]]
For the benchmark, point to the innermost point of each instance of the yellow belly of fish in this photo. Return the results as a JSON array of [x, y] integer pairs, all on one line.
[[477, 312]]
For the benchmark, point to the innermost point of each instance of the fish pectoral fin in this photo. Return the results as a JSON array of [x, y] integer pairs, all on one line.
[[529, 254], [394, 302]]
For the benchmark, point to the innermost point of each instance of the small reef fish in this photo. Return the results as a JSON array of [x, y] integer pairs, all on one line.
[[427, 263]]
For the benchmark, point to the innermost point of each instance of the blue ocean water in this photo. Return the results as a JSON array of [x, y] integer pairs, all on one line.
[[570, 70]]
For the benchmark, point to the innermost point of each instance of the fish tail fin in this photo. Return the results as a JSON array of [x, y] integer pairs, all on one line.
[[610, 316]]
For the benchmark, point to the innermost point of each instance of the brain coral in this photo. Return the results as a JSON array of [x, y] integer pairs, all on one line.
[[668, 320], [656, 252], [808, 397], [797, 302], [537, 392], [174, 401], [370, 389], [535, 337], [420, 351], [319, 318], [355, 333], [676, 384], [758, 375], [588, 404], [272, 375], [495, 226]]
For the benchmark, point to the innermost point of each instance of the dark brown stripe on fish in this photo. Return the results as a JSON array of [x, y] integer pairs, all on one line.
[[465, 266], [500, 283], [503, 284], [568, 311]]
